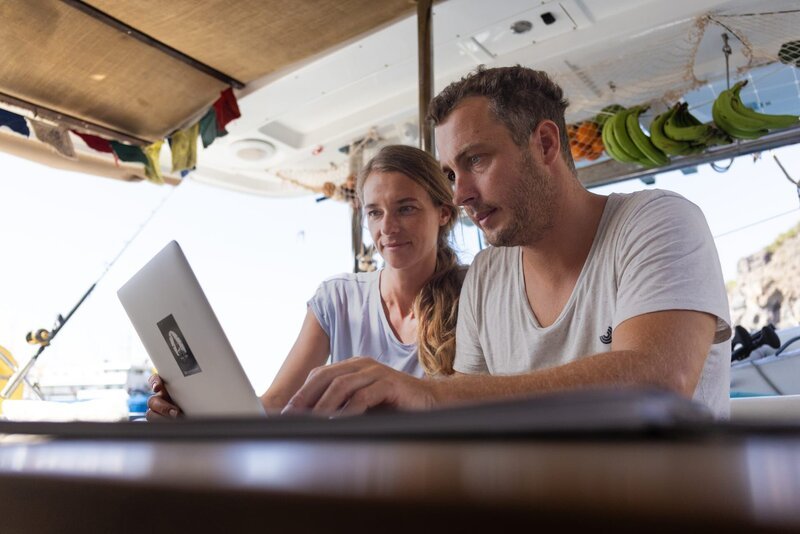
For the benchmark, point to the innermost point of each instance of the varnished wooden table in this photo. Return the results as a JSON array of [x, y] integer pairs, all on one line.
[[681, 478]]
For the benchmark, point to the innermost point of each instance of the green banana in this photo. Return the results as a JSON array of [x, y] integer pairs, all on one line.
[[664, 143], [735, 119], [619, 130], [735, 125], [770, 122], [681, 127], [611, 146], [691, 119], [654, 155], [606, 113]]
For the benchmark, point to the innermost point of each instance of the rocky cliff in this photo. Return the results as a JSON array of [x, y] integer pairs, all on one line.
[[767, 288]]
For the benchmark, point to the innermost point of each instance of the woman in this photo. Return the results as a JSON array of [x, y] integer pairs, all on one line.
[[403, 315]]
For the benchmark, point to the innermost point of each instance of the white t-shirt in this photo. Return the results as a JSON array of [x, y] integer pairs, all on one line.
[[349, 309], [653, 251]]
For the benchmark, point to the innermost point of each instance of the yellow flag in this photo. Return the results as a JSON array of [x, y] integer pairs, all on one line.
[[153, 167], [184, 148]]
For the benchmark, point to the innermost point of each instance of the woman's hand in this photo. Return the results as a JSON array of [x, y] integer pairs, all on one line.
[[160, 405]]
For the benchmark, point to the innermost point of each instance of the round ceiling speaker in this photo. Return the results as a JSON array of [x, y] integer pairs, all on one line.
[[252, 151]]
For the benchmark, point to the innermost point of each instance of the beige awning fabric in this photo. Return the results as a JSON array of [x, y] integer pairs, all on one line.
[[57, 57]]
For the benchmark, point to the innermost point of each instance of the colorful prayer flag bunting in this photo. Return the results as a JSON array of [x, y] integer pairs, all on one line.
[[183, 143]]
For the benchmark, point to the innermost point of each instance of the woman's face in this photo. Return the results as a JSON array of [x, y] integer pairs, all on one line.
[[402, 219]]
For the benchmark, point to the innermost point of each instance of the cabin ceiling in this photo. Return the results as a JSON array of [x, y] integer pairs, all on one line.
[[322, 75], [54, 55]]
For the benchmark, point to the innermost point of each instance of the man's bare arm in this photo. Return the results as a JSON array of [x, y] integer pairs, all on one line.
[[663, 349]]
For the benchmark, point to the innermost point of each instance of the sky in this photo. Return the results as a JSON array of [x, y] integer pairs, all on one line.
[[259, 259]]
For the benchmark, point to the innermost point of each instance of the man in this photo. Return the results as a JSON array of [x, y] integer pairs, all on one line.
[[579, 289]]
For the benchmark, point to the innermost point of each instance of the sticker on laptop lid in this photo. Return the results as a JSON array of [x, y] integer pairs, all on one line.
[[178, 346]]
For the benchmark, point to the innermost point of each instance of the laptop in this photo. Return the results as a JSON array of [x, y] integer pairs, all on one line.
[[185, 341]]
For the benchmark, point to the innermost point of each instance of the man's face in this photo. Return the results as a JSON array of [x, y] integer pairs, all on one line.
[[497, 182]]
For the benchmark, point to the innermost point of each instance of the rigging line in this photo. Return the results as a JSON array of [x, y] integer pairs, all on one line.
[[738, 37], [723, 234], [20, 374], [785, 173], [139, 230], [763, 375], [734, 15]]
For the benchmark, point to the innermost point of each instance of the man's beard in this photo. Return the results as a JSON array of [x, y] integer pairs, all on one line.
[[531, 214]]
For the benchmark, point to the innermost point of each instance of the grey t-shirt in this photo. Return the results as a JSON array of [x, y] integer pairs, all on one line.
[[653, 251], [349, 309]]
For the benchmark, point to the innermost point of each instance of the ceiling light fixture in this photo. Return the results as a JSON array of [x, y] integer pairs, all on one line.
[[250, 151]]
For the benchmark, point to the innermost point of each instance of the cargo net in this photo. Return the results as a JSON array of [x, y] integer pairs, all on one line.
[[338, 180], [658, 67], [327, 182]]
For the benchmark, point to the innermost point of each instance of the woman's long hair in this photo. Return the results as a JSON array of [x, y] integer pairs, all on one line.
[[436, 305]]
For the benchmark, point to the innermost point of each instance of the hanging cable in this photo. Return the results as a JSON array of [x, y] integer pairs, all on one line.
[[726, 49], [719, 168], [756, 223], [786, 345], [795, 183]]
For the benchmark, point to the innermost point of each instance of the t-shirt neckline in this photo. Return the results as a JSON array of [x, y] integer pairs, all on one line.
[[599, 235], [384, 319]]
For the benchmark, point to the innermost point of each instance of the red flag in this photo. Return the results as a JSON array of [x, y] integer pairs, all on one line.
[[226, 108], [97, 143]]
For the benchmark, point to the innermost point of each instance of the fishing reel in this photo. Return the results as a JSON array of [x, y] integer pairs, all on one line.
[[41, 337]]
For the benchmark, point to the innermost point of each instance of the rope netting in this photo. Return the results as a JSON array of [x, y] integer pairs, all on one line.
[[766, 36], [337, 181]]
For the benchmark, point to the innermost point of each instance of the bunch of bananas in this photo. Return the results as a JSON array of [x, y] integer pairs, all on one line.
[[679, 133], [625, 141], [741, 122]]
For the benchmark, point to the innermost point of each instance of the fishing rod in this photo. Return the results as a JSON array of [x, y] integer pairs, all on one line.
[[44, 337]]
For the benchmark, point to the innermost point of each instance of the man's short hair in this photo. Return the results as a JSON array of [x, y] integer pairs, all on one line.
[[518, 96]]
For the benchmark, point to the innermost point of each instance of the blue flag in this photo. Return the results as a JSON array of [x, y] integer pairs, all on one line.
[[15, 122]]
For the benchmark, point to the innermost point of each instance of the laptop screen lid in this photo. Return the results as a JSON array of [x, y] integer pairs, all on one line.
[[184, 339]]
